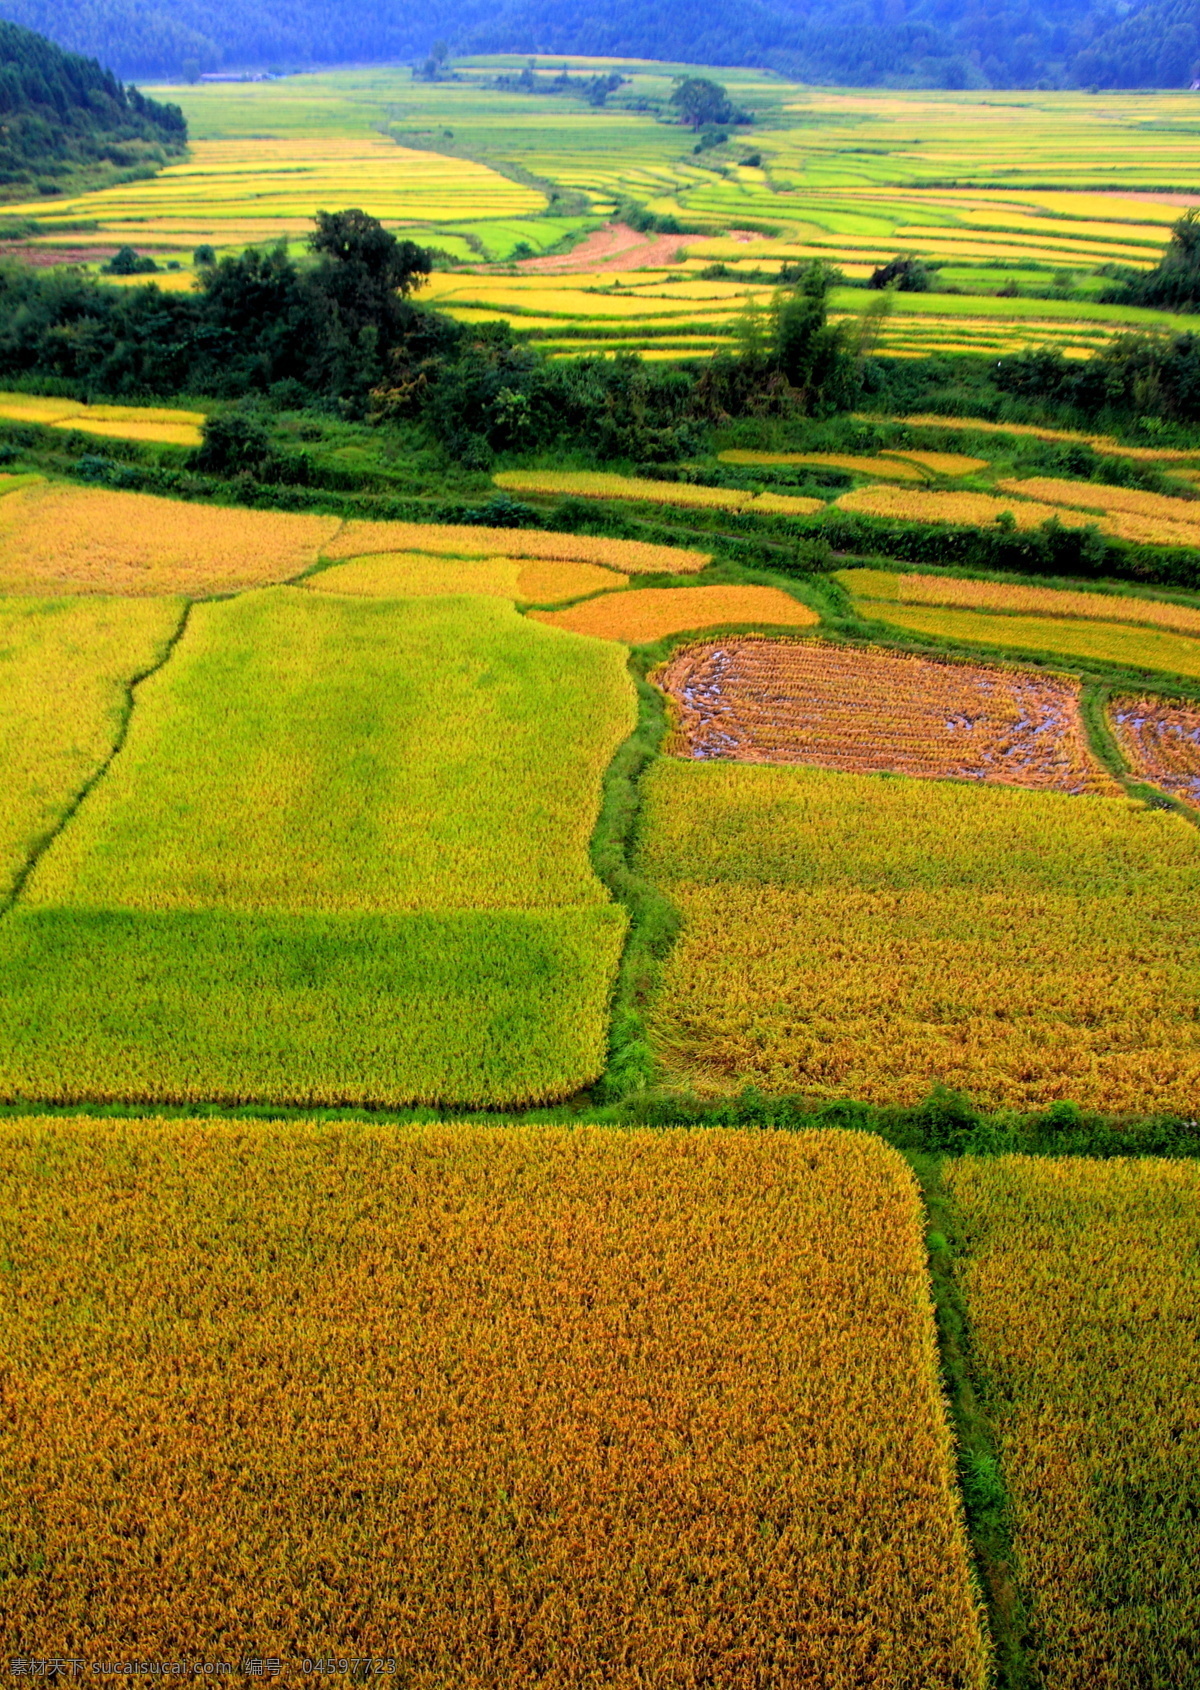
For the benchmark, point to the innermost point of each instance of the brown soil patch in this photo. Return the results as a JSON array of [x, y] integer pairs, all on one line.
[[615, 247], [1162, 743], [875, 712], [1157, 199]]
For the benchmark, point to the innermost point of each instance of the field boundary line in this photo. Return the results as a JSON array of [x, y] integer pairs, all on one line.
[[980, 1478], [654, 921], [41, 845]]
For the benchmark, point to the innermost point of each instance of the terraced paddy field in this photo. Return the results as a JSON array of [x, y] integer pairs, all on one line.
[[1034, 188], [858, 936], [551, 1401], [1079, 1279], [770, 701], [329, 864]]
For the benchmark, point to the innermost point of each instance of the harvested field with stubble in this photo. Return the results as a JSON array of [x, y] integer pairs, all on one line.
[[630, 557], [1160, 739], [67, 539], [400, 575], [857, 937], [66, 666], [646, 614], [548, 1405], [1080, 1285], [886, 586], [838, 707]]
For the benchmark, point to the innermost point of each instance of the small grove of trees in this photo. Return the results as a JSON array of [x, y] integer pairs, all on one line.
[[703, 104], [1145, 375], [1174, 283]]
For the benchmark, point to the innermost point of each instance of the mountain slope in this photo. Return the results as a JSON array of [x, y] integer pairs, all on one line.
[[938, 43], [64, 116]]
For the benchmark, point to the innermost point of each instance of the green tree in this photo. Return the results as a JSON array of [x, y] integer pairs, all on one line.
[[702, 102]]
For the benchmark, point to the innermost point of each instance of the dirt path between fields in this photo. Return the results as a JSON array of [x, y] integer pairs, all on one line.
[[618, 247]]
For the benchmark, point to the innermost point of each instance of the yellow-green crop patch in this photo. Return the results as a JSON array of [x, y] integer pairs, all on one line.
[[342, 857], [66, 666]]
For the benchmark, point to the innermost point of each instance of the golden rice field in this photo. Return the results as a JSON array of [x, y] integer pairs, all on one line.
[[942, 463], [426, 575], [119, 422], [1017, 596], [1080, 1282], [1160, 739], [975, 510], [68, 539], [646, 614], [630, 557], [884, 467], [1106, 642], [794, 701], [259, 189], [66, 669], [342, 857], [858, 936], [1098, 442], [597, 484], [539, 1405], [1132, 513]]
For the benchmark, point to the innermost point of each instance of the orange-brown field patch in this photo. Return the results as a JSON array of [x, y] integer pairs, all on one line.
[[885, 468], [400, 575], [651, 613], [872, 712], [59, 539], [630, 557], [1161, 741]]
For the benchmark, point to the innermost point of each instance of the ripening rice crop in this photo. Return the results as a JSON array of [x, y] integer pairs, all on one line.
[[419, 575], [66, 669], [777, 701], [597, 485], [1131, 513], [1016, 596], [854, 936], [1098, 442], [631, 557], [59, 539], [941, 463], [541, 1406], [588, 484], [1107, 642], [976, 510], [883, 468], [645, 614], [119, 422], [1080, 1282], [1161, 741], [343, 855]]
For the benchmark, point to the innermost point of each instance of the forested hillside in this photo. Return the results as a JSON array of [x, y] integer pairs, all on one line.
[[64, 116], [938, 43]]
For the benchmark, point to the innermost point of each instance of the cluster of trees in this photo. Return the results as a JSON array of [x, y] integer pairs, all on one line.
[[1157, 46], [1174, 283], [344, 332], [60, 113], [594, 89], [936, 43], [1143, 375]]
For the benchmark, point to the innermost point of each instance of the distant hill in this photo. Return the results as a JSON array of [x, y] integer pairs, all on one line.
[[900, 43], [64, 118], [1158, 47]]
